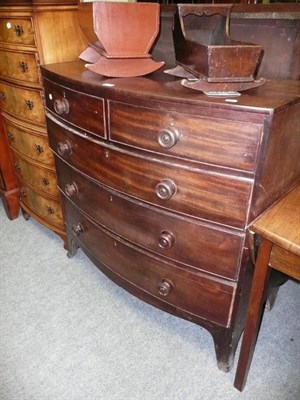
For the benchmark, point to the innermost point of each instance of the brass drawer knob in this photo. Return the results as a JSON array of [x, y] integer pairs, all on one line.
[[168, 137], [165, 189], [61, 106], [17, 166], [64, 148], [165, 287], [71, 189], [77, 229], [166, 240]]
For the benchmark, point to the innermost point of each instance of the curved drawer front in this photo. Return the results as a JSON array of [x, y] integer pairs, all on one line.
[[72, 106], [213, 141], [17, 30], [211, 299], [19, 65], [218, 198], [179, 239], [32, 146], [45, 207], [24, 103], [39, 178]]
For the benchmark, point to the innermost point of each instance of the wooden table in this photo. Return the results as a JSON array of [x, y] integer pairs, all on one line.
[[279, 229]]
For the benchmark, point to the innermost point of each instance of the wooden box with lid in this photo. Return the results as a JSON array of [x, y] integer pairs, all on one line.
[[33, 33], [159, 185]]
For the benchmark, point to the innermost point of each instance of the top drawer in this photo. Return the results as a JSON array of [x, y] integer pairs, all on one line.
[[83, 111], [17, 30], [213, 141]]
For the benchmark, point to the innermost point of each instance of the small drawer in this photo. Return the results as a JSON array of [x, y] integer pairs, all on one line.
[[39, 178], [219, 198], [17, 31], [31, 145], [188, 242], [84, 111], [20, 66], [46, 208], [210, 299], [212, 141], [26, 104]]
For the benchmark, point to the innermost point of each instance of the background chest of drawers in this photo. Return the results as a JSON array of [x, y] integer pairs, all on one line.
[[159, 184], [33, 33]]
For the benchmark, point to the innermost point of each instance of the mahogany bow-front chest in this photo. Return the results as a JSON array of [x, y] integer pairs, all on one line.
[[160, 182]]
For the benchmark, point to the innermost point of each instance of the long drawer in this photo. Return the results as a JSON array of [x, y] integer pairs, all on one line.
[[45, 207], [31, 144], [26, 104], [21, 66], [180, 239], [40, 178], [219, 198], [190, 292], [214, 141], [72, 106]]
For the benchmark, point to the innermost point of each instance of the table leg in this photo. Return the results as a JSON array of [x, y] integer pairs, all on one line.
[[254, 313]]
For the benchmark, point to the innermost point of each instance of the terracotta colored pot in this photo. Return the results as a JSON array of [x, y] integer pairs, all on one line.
[[120, 30], [120, 36]]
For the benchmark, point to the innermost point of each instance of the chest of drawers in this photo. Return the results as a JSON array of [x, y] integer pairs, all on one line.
[[159, 185], [30, 35]]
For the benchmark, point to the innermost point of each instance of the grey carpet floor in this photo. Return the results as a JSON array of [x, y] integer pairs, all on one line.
[[68, 333]]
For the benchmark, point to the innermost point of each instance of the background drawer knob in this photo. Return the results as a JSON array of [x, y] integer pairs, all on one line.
[[165, 287], [38, 149], [29, 105], [64, 148], [165, 189], [166, 240], [45, 181], [19, 30], [2, 96], [61, 106], [10, 136], [23, 66], [71, 189], [77, 229], [50, 210], [168, 137]]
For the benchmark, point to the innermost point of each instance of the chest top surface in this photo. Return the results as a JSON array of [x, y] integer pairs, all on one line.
[[266, 99]]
